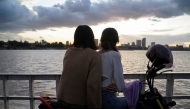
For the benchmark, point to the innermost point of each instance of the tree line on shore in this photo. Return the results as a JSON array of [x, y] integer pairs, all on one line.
[[59, 45], [26, 45]]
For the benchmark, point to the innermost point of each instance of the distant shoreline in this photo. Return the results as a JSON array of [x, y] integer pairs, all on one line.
[[33, 48], [66, 49]]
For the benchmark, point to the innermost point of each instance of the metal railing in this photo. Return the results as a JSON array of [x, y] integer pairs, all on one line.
[[31, 77]]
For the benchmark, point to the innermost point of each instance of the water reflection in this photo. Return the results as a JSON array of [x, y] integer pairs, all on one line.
[[50, 61], [31, 61]]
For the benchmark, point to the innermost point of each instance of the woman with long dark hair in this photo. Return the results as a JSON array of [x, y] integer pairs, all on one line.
[[112, 71], [80, 82]]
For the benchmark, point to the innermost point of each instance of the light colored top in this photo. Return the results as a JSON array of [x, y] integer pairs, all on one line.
[[80, 82], [112, 70]]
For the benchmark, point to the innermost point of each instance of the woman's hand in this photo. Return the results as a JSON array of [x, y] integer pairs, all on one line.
[[112, 87]]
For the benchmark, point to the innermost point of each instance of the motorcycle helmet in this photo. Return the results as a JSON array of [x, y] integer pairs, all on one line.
[[160, 55]]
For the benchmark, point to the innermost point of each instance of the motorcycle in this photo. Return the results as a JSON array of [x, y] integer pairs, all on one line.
[[152, 99], [161, 57]]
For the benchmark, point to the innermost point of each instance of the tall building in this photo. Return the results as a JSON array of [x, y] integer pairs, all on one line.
[[96, 42], [67, 43], [144, 42], [133, 44], [152, 43], [138, 42]]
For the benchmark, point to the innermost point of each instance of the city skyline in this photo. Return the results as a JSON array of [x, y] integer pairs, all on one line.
[[163, 21], [21, 45], [139, 43]]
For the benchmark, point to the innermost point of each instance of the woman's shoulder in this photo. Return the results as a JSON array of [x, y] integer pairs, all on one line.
[[108, 52], [92, 52], [85, 51], [114, 53]]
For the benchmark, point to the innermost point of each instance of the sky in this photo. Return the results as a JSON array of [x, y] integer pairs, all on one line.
[[159, 21]]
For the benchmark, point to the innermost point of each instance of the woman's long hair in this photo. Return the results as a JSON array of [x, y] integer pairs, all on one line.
[[84, 37], [109, 39]]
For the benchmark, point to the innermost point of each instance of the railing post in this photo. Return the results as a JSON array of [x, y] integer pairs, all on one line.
[[169, 87], [5, 92], [31, 90], [57, 83], [142, 77]]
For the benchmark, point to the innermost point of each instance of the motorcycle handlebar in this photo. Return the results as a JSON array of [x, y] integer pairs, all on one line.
[[152, 72], [159, 68]]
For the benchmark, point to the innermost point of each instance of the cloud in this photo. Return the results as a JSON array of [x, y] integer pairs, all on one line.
[[182, 5], [34, 29], [11, 11], [59, 6], [52, 29], [164, 30], [16, 17], [41, 37], [78, 5], [155, 20], [10, 36]]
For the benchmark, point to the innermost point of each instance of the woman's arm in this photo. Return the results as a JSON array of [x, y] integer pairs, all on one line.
[[118, 72]]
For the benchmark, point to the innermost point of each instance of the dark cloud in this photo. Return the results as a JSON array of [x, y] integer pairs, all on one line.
[[17, 17], [59, 6], [182, 5], [11, 11], [77, 5]]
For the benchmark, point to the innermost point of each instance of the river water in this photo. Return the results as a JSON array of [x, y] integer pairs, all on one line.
[[50, 61]]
